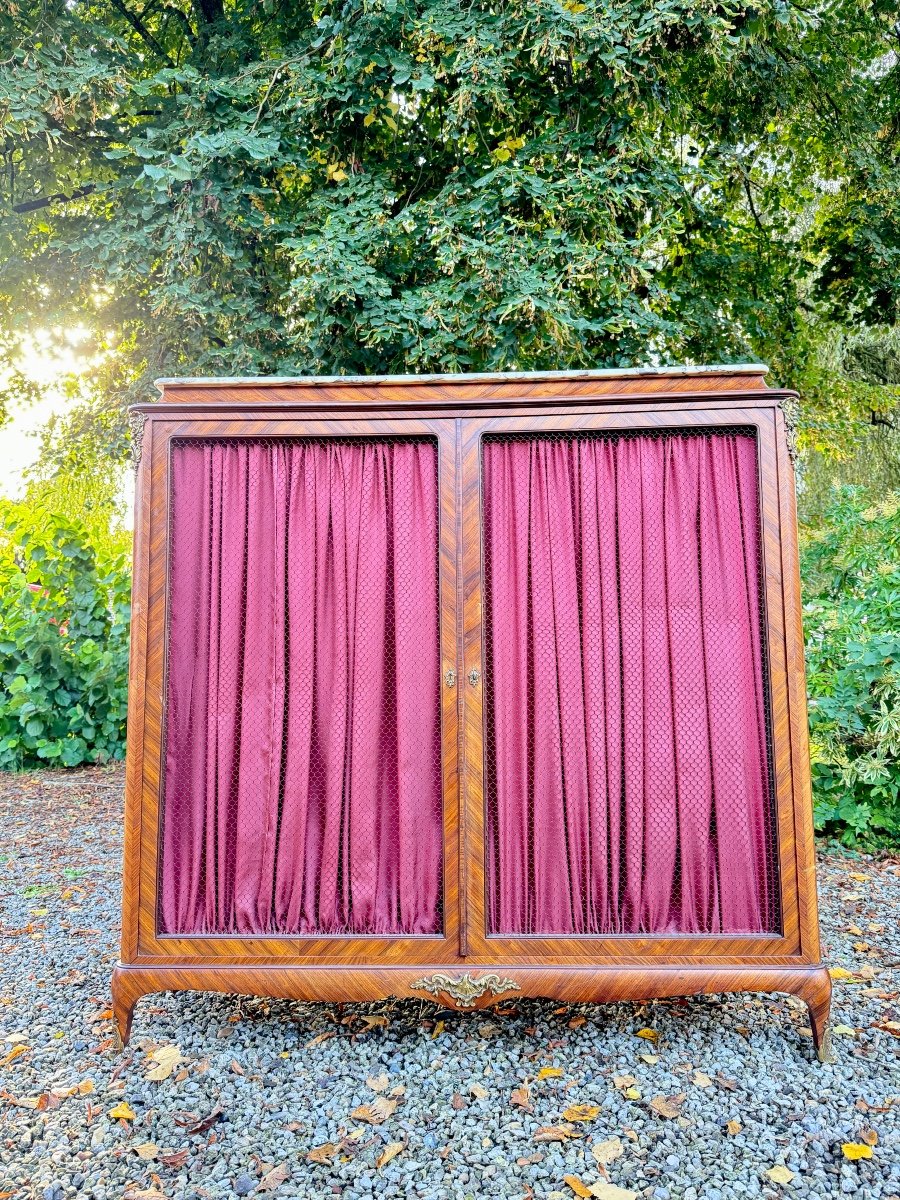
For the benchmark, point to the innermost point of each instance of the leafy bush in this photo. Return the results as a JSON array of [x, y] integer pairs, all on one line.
[[64, 616], [851, 573]]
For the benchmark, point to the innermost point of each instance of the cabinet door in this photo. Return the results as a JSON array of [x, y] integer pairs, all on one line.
[[308, 791], [619, 761]]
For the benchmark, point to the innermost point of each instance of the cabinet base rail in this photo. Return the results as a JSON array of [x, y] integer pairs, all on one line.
[[468, 987]]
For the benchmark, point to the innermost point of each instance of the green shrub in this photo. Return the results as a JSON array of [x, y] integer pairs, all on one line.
[[850, 564], [64, 615]]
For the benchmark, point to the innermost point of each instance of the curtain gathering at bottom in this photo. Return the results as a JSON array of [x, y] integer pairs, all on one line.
[[627, 778], [626, 773], [303, 767]]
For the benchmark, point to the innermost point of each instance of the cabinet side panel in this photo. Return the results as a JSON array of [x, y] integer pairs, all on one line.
[[137, 678]]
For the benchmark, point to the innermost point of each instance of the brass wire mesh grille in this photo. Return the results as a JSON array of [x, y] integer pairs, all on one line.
[[628, 762], [302, 756]]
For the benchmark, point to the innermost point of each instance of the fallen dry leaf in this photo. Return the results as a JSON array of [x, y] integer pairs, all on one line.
[[607, 1152], [730, 1085], [438, 1029], [701, 1079], [529, 1160], [374, 1022], [582, 1112], [24, 1101], [391, 1150], [623, 1081], [839, 973], [668, 1106], [733, 1126], [378, 1083], [579, 1188], [632, 1093], [142, 1194], [649, 1034], [458, 1102], [780, 1174], [320, 1038], [176, 1158], [146, 1150], [274, 1179], [15, 1038], [521, 1098], [18, 1049], [610, 1191], [856, 1150], [549, 1073], [377, 1112], [479, 1092], [123, 1112], [322, 1154], [577, 1022], [652, 1059], [166, 1059], [844, 1030], [555, 1133], [870, 1137], [201, 1126]]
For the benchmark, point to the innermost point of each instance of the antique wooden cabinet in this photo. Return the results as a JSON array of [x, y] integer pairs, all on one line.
[[468, 687]]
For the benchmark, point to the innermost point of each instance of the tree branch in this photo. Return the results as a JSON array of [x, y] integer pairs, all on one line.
[[209, 11], [172, 10], [142, 31], [45, 201]]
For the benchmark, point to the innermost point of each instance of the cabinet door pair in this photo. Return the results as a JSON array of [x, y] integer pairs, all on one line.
[[491, 686]]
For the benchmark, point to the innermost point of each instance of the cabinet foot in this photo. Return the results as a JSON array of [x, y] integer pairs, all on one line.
[[818, 1002], [123, 1007]]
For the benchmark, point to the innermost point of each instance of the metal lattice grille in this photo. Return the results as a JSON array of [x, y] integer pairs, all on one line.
[[302, 737], [628, 779]]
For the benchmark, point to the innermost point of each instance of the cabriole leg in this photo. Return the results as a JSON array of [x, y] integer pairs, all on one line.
[[818, 1001], [123, 1007]]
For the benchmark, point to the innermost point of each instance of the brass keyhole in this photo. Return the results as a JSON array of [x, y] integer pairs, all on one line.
[[474, 676], [450, 678]]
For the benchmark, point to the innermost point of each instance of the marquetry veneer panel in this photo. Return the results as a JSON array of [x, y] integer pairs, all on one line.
[[594, 538]]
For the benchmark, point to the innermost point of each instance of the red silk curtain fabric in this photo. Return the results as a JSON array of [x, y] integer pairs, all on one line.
[[303, 764], [627, 776]]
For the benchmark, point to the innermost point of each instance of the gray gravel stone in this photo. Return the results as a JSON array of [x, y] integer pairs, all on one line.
[[59, 907]]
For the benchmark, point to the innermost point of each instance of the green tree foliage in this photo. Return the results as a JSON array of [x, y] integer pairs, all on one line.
[[851, 570], [338, 186], [64, 615], [259, 186]]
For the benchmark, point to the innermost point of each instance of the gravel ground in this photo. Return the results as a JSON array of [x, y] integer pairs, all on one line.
[[252, 1087]]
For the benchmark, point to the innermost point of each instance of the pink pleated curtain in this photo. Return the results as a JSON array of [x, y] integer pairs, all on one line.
[[627, 778], [302, 768]]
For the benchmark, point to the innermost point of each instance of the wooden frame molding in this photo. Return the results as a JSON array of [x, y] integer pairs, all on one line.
[[465, 966]]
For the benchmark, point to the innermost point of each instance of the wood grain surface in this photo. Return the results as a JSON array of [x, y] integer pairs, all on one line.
[[458, 412]]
